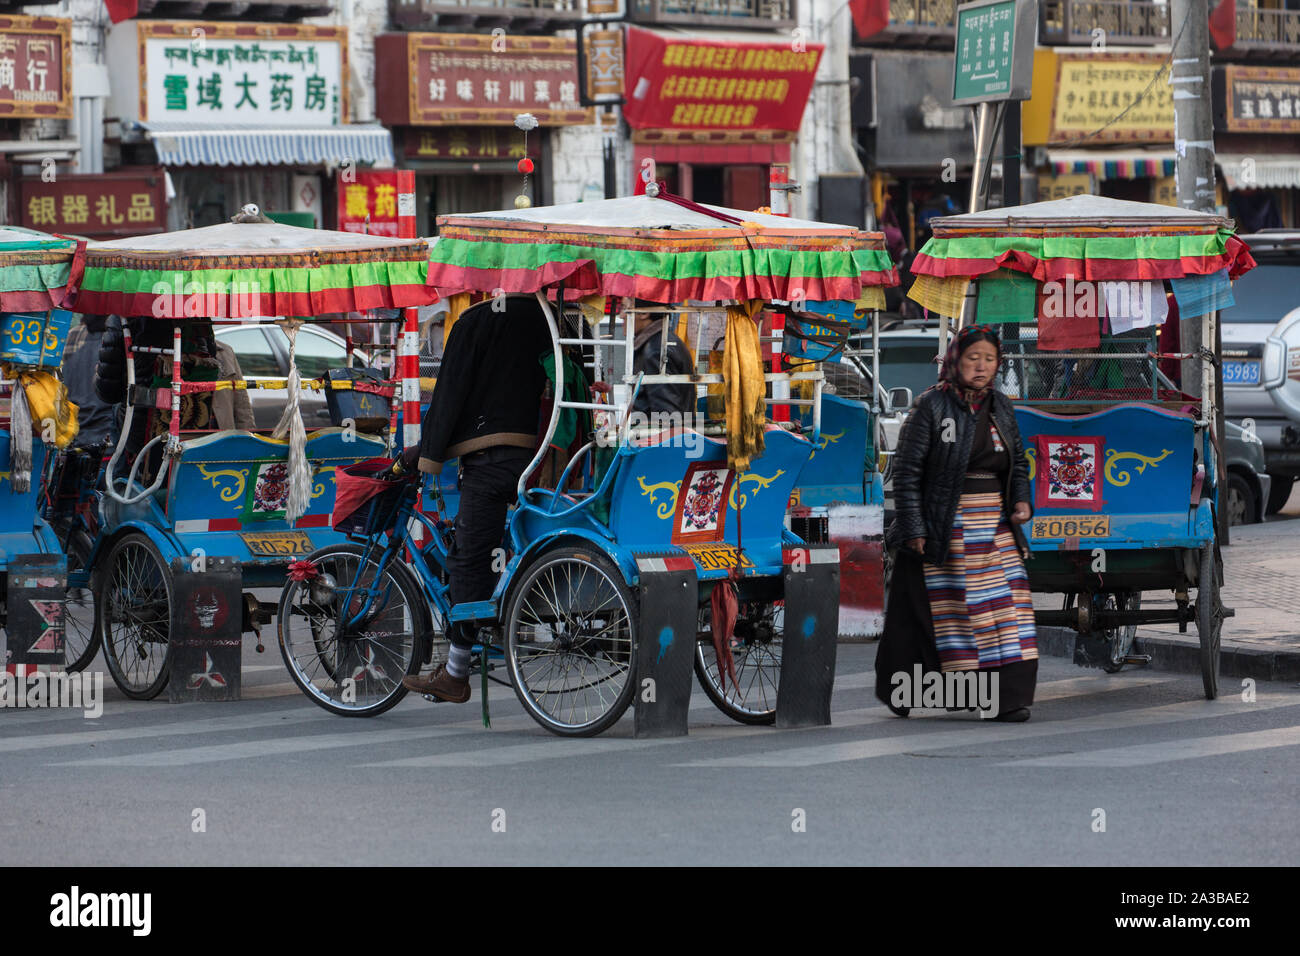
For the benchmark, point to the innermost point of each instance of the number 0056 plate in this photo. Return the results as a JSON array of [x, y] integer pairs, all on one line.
[[717, 557], [1072, 526], [277, 544]]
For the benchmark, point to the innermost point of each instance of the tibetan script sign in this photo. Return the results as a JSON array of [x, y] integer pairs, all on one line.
[[98, 206], [699, 84], [248, 74], [35, 67], [1258, 99], [457, 79], [993, 57], [1093, 91]]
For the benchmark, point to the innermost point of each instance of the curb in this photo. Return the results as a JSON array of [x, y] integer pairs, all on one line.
[[1234, 660]]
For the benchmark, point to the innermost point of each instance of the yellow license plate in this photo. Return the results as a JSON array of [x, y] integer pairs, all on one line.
[[277, 544], [717, 557], [1072, 526]]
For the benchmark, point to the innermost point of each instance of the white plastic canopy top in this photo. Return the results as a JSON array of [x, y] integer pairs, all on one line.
[[248, 237], [1083, 211]]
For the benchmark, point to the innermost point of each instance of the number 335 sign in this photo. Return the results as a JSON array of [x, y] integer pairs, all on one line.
[[34, 338]]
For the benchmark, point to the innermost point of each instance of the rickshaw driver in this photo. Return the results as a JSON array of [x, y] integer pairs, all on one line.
[[484, 411]]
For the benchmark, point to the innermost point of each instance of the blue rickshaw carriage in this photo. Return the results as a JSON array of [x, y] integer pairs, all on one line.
[[1120, 424], [225, 509], [657, 548], [38, 277]]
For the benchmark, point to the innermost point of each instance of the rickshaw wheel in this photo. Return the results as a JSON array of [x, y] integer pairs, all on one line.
[[757, 658], [133, 609], [570, 636], [1121, 638], [81, 628], [322, 663], [1209, 620]]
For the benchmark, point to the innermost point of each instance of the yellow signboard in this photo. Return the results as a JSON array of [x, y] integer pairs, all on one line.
[[1112, 98], [1062, 187], [1165, 191]]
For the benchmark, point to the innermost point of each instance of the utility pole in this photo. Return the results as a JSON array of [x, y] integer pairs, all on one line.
[[1194, 175]]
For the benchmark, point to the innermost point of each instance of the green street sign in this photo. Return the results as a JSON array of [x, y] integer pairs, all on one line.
[[994, 57]]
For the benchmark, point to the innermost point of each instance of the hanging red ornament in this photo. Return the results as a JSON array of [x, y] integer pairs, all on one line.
[[525, 165]]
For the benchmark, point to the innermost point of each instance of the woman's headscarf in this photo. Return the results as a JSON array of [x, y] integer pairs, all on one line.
[[950, 372]]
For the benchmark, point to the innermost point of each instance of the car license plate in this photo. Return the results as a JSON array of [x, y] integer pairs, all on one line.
[[1072, 526], [1240, 373], [277, 544], [717, 557]]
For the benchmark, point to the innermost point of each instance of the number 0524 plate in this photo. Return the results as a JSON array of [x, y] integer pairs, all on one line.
[[1071, 526]]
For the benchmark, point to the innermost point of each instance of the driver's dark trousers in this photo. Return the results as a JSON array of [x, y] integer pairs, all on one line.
[[488, 482]]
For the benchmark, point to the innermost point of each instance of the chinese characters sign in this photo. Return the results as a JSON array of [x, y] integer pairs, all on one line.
[[1092, 91], [375, 202], [1064, 186], [98, 206], [477, 143], [993, 56], [694, 84], [1260, 99], [35, 67], [453, 79], [246, 74]]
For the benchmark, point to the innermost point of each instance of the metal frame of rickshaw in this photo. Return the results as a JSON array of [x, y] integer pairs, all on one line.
[[405, 546]]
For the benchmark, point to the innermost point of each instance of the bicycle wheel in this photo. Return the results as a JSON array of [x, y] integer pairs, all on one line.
[[756, 653], [1209, 620], [570, 640], [133, 608], [81, 624], [1121, 638], [354, 670]]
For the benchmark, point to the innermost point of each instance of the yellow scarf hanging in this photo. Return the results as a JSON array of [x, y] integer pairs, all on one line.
[[47, 398], [746, 391]]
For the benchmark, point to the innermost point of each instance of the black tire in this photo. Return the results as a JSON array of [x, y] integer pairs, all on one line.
[[81, 622], [321, 664], [1240, 504], [1123, 638], [752, 699], [550, 613], [1279, 493], [1209, 619], [133, 602]]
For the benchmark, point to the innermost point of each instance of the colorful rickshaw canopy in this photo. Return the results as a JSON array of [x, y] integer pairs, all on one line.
[[659, 249], [38, 271], [245, 269], [1084, 237]]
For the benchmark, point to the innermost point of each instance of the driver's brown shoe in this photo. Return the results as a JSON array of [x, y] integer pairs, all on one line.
[[440, 684]]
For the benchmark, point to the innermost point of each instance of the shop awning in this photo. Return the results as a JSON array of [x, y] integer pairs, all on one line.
[[1257, 171], [1113, 164], [182, 144]]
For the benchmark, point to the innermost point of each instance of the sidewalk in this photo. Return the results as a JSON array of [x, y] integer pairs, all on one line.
[[1261, 581]]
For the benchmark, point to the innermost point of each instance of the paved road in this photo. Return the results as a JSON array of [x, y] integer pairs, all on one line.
[[1182, 781]]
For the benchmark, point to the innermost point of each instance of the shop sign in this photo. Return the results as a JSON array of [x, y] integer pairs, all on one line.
[[1164, 191], [376, 202], [35, 67], [471, 143], [249, 74], [705, 84], [1113, 97], [1065, 186], [1260, 99], [98, 206], [456, 79]]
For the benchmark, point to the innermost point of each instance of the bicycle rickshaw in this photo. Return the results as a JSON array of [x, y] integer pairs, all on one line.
[[609, 574], [38, 276], [223, 510], [1124, 462]]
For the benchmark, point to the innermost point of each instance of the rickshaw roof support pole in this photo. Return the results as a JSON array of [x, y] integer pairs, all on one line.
[[559, 391]]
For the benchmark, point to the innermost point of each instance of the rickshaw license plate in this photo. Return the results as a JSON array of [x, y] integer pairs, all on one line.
[[1072, 526], [277, 544], [717, 557]]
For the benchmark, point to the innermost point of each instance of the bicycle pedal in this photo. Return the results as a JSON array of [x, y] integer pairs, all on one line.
[[433, 700], [1138, 659]]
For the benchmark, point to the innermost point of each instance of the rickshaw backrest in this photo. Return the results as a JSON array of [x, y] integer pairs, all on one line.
[[1143, 459], [18, 511], [238, 478], [841, 454]]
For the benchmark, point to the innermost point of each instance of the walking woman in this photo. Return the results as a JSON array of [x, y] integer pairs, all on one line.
[[959, 599]]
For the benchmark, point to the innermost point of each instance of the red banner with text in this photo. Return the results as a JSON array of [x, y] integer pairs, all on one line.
[[375, 203]]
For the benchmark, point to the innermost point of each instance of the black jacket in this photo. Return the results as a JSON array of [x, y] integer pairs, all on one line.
[[929, 471], [677, 361], [490, 384]]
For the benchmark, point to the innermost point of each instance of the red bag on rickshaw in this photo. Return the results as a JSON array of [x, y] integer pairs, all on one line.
[[366, 502]]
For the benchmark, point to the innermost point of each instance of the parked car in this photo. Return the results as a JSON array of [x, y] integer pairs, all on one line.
[[1248, 483], [1261, 356], [263, 352]]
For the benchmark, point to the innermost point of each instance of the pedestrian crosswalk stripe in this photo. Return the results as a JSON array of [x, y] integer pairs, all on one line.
[[1165, 751], [210, 725], [984, 732]]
